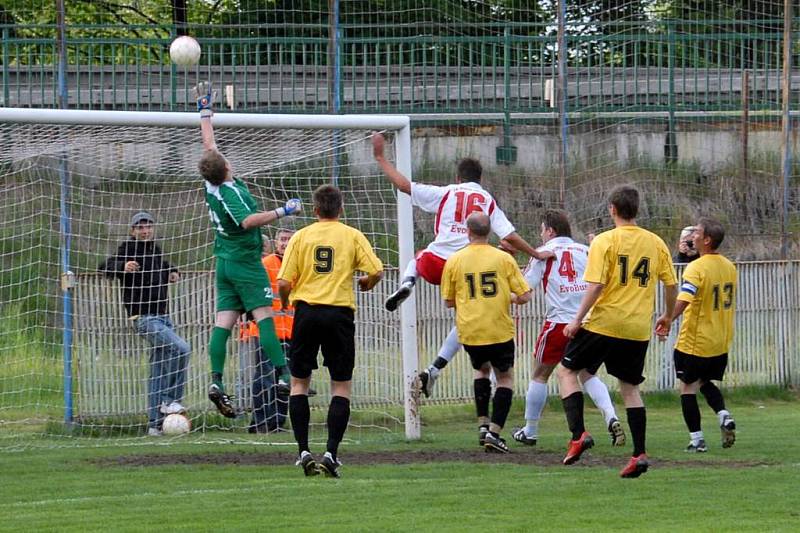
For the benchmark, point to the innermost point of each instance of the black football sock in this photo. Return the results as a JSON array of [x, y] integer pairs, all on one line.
[[691, 412], [338, 417], [300, 414], [637, 421], [573, 408], [483, 395], [713, 396], [501, 405]]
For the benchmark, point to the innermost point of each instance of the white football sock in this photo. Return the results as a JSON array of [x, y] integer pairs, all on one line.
[[535, 399], [411, 270], [450, 346], [598, 392], [722, 414]]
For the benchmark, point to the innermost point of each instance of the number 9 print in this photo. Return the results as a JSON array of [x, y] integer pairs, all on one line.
[[323, 259]]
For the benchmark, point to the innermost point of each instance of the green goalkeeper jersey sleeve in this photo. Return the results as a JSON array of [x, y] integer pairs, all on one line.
[[228, 205]]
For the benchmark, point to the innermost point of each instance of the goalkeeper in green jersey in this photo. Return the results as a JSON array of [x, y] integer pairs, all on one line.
[[241, 281]]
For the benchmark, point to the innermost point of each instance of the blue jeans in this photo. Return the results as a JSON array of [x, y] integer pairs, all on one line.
[[270, 409], [169, 355]]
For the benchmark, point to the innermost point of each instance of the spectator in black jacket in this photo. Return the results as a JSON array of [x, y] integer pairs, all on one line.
[[144, 277], [686, 252]]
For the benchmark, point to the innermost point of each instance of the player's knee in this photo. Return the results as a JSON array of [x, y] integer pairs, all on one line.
[[566, 374], [543, 372]]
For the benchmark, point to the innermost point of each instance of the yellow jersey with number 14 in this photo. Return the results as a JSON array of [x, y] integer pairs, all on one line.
[[320, 262], [628, 261], [709, 286]]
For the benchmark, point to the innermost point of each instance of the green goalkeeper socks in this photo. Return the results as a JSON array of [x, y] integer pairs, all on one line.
[[217, 349], [272, 347]]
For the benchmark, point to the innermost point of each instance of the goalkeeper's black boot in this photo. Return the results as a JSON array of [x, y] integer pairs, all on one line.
[[221, 400], [400, 295], [283, 380]]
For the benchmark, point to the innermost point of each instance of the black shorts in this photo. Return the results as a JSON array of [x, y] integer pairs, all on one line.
[[624, 358], [330, 327], [690, 368], [500, 355]]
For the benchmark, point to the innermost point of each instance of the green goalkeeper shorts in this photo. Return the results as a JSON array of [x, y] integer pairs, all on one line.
[[242, 286]]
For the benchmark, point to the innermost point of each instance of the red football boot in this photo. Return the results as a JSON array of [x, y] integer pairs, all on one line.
[[636, 466], [577, 447]]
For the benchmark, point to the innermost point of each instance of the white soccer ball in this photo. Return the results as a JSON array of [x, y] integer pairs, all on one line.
[[184, 51], [176, 424]]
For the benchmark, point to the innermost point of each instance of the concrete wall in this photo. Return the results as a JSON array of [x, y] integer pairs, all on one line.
[[710, 149]]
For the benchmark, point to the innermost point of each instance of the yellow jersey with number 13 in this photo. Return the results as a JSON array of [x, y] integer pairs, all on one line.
[[709, 286]]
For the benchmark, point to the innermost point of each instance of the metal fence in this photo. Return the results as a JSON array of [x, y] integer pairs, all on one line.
[[111, 360], [512, 71]]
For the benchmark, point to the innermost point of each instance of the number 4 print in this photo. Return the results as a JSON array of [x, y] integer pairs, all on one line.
[[565, 267]]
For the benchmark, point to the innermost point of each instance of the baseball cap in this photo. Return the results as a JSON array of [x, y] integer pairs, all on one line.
[[140, 216], [685, 232]]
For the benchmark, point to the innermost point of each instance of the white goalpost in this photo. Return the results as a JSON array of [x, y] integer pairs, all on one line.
[[71, 180]]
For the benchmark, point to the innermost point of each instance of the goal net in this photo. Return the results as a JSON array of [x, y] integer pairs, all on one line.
[[74, 369]]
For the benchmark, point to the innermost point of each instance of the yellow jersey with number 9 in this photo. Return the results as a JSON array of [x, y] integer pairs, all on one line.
[[320, 262], [709, 286], [628, 261]]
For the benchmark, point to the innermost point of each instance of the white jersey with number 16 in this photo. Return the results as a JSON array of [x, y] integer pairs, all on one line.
[[561, 278], [452, 205]]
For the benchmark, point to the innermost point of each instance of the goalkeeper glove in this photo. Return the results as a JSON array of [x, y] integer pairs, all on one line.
[[292, 207], [205, 98]]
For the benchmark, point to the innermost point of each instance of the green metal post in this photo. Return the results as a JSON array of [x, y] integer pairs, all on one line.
[[6, 94], [671, 146], [173, 76], [507, 153]]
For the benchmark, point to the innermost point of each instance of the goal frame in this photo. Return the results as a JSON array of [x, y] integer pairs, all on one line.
[[399, 124]]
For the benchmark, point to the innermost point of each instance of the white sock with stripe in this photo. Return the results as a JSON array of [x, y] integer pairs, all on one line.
[[450, 346], [535, 399], [598, 392], [411, 270]]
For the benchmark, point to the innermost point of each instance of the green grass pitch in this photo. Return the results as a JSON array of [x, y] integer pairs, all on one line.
[[441, 483]]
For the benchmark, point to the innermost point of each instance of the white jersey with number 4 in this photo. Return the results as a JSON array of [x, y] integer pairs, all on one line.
[[452, 205], [561, 278]]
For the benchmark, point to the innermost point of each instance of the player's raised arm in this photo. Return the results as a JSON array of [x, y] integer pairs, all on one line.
[[401, 182], [205, 103], [256, 220], [515, 241]]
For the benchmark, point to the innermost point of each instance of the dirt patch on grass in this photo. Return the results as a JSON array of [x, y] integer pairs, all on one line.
[[526, 457]]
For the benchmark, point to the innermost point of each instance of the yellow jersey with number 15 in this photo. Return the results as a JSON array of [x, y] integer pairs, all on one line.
[[709, 286], [628, 261], [480, 279], [320, 262]]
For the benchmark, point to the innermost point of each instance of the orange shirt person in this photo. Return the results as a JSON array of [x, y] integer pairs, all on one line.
[[272, 263], [283, 318]]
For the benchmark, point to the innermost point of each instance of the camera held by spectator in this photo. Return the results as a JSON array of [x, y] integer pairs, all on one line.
[[686, 252]]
